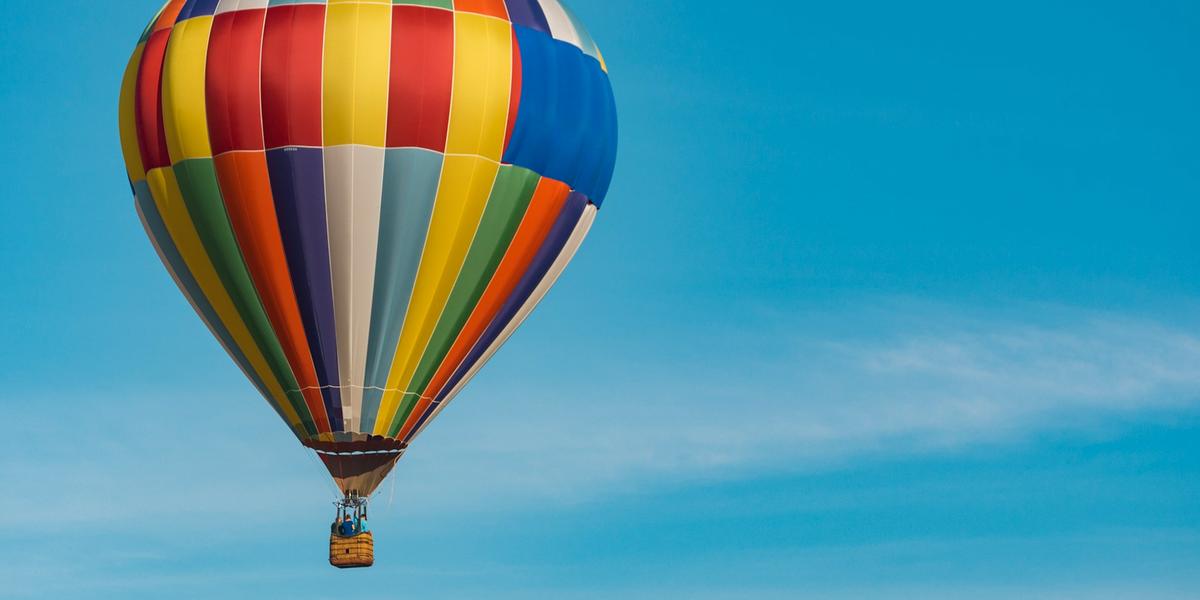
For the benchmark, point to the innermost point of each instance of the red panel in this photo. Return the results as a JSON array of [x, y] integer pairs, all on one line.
[[421, 76], [293, 41], [246, 189], [544, 207], [152, 136], [232, 81], [514, 97], [494, 8]]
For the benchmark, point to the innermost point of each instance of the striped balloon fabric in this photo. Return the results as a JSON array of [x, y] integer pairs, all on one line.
[[363, 199]]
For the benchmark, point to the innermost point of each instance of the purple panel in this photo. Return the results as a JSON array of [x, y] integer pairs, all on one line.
[[298, 184], [528, 13], [545, 257], [197, 8]]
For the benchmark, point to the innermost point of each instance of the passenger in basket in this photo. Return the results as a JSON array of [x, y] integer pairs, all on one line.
[[347, 527]]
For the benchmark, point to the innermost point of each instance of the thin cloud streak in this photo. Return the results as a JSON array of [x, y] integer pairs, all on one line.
[[922, 379], [925, 380]]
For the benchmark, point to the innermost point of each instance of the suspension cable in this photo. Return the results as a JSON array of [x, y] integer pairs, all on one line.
[[312, 456]]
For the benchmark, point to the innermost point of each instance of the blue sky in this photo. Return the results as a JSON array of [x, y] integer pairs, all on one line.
[[886, 301]]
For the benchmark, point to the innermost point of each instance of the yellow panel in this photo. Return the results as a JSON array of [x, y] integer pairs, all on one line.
[[482, 82], [169, 200], [184, 116], [462, 195], [358, 38], [129, 139]]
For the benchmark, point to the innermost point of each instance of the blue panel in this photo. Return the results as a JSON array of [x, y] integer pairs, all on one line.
[[191, 289], [298, 186], [572, 120], [607, 132], [410, 184], [197, 8], [566, 119]]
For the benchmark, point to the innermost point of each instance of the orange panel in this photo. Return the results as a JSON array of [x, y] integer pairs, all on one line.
[[544, 207], [246, 187], [169, 15], [494, 8]]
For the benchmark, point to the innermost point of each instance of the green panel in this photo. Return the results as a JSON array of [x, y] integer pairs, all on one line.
[[447, 4], [202, 195], [170, 255], [150, 26], [505, 210]]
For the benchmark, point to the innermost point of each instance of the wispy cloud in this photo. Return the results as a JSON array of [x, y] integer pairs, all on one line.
[[808, 392], [917, 378]]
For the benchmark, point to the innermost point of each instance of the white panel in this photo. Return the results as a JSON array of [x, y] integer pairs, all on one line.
[[225, 6], [353, 190], [561, 26], [564, 258], [586, 43]]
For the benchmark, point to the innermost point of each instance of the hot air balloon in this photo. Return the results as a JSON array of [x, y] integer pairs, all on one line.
[[362, 200]]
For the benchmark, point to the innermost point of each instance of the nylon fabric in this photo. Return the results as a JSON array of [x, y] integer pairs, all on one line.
[[363, 199]]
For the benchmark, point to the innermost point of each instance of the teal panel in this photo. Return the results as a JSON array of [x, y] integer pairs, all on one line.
[[410, 184]]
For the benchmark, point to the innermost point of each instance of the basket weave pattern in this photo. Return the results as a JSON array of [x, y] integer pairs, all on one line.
[[351, 552]]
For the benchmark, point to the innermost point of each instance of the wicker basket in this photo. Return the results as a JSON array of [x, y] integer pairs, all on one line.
[[352, 552]]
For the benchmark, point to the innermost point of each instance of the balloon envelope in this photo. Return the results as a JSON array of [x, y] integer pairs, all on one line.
[[363, 200]]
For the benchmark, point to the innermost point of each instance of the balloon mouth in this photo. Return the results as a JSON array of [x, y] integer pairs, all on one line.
[[359, 467], [359, 444]]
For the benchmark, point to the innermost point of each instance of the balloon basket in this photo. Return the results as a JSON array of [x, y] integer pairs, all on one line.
[[354, 549], [353, 552]]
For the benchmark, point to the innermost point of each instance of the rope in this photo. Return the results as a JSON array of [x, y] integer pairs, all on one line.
[[392, 495], [337, 493]]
